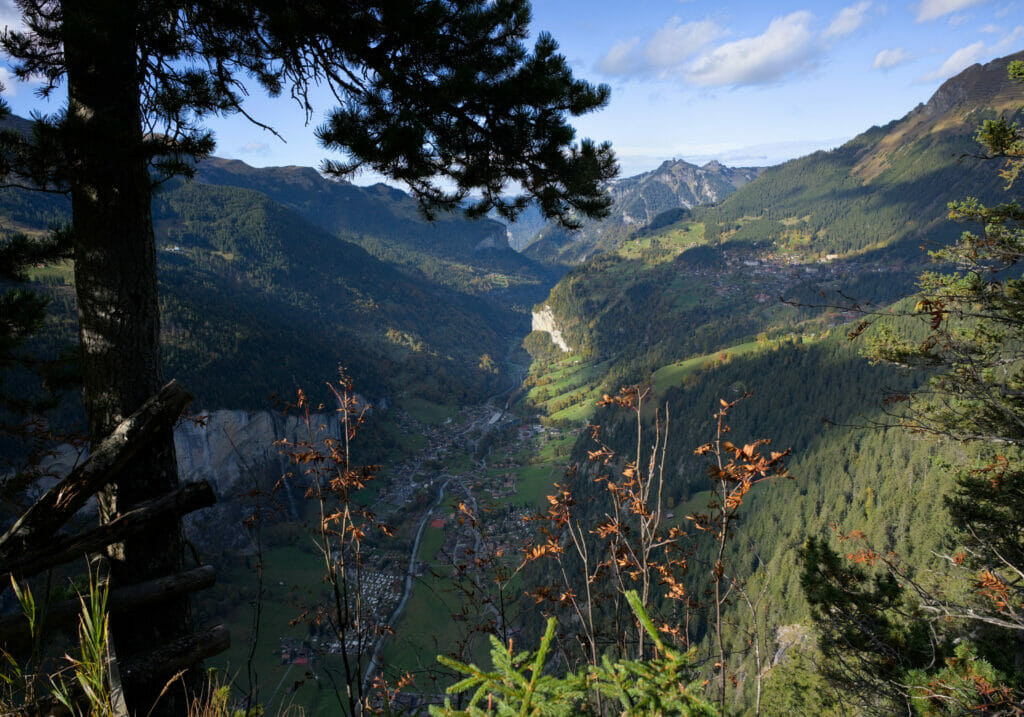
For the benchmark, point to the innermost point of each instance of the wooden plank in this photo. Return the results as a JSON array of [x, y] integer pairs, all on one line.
[[14, 628], [165, 661], [114, 452], [186, 499]]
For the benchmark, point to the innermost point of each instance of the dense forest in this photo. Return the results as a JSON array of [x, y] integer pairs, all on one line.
[[787, 428]]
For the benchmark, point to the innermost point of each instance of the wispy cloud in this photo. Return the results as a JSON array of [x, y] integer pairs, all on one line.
[[663, 54], [1010, 42], [10, 16], [787, 46], [621, 59], [8, 81], [255, 148], [637, 159], [959, 60], [931, 9], [677, 41], [848, 20], [887, 59], [977, 52]]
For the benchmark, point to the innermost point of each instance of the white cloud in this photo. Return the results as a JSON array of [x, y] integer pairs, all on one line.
[[931, 9], [887, 59], [663, 54], [848, 19], [621, 58], [644, 158], [677, 41], [8, 80], [1009, 42], [959, 60], [255, 148], [10, 16], [992, 29], [786, 46]]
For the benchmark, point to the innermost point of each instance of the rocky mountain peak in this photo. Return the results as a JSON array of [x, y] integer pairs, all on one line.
[[977, 85]]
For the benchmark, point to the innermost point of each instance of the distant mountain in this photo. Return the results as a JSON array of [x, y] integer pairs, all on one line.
[[689, 306], [527, 226], [637, 201], [271, 278], [469, 256], [854, 218], [258, 300], [885, 189]]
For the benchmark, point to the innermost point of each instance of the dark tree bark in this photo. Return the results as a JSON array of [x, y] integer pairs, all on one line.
[[116, 282], [141, 77]]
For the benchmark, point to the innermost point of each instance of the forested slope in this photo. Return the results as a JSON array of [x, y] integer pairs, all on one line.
[[691, 308], [258, 300]]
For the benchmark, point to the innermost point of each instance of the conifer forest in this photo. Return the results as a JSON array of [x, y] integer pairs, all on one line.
[[343, 373]]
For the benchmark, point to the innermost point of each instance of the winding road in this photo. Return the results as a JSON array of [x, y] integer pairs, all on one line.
[[410, 577]]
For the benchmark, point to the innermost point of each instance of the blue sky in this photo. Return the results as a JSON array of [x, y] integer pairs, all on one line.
[[747, 83]]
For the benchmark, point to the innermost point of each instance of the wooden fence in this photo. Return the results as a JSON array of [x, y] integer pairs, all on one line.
[[32, 545]]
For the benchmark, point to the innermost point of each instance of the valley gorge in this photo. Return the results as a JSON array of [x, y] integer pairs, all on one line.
[[513, 381]]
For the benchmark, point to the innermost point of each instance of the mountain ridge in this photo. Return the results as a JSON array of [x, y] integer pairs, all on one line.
[[638, 199]]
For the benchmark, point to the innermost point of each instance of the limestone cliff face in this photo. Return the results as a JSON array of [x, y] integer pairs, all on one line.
[[544, 320], [235, 447], [235, 452]]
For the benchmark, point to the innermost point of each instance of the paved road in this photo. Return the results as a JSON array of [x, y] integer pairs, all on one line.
[[410, 577]]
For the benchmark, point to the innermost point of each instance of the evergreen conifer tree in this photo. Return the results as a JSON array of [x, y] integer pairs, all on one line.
[[441, 94], [955, 648]]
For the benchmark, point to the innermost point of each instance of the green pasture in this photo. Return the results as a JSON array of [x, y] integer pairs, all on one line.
[[663, 246], [674, 374], [62, 272], [430, 413], [567, 378], [292, 578], [425, 630]]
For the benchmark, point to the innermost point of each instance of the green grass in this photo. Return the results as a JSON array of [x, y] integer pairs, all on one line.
[[533, 484], [569, 376], [698, 503], [674, 374], [557, 449], [580, 411], [433, 539], [423, 631], [667, 244], [62, 272], [428, 412], [291, 575]]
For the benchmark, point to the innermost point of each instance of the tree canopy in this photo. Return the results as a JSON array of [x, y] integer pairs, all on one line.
[[441, 94], [893, 637]]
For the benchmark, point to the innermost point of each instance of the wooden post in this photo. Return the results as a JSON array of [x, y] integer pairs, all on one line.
[[14, 628], [58, 504], [184, 500]]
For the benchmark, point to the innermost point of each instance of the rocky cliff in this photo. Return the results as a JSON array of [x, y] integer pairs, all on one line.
[[236, 452], [544, 320]]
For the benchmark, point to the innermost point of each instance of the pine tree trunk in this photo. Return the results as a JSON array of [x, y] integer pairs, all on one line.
[[116, 284]]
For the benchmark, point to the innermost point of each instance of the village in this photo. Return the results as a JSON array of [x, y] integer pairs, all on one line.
[[488, 524]]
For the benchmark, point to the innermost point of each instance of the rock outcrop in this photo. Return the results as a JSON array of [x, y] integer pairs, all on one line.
[[544, 320], [235, 451]]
